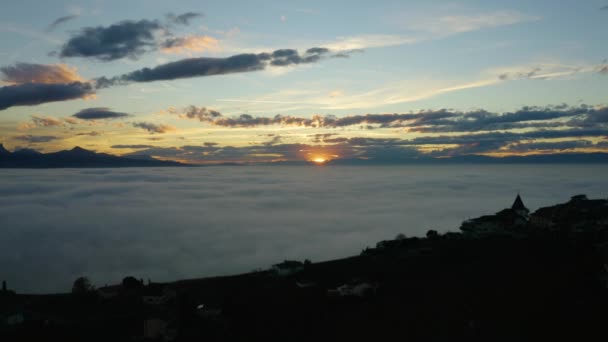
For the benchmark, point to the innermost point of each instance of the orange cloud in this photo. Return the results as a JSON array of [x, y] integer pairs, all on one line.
[[22, 73], [44, 121]]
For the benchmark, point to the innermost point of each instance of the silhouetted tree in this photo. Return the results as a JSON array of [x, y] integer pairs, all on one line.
[[82, 285], [131, 284], [432, 234]]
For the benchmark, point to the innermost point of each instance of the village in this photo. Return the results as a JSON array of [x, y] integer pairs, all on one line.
[[515, 272]]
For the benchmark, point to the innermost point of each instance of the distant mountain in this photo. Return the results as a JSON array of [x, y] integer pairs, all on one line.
[[76, 157], [3, 151]]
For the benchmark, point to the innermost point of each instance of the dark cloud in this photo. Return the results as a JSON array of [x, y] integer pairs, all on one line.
[[99, 113], [438, 121], [322, 137], [90, 134], [549, 146], [154, 128], [204, 66], [124, 39], [274, 141], [605, 8], [287, 57], [60, 21], [34, 139], [183, 19], [132, 146], [29, 94]]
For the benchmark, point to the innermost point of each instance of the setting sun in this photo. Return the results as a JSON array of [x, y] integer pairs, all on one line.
[[319, 160]]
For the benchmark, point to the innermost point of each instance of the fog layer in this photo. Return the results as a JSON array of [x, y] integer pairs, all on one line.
[[174, 223]]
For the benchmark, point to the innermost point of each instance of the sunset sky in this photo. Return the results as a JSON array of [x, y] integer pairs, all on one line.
[[259, 81]]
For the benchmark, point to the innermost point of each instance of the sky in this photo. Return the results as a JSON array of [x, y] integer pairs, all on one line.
[[264, 81]]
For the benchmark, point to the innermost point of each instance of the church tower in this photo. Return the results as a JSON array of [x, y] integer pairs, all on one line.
[[519, 207]]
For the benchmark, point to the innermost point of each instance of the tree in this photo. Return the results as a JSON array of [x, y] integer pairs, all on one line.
[[82, 285], [131, 284], [432, 234]]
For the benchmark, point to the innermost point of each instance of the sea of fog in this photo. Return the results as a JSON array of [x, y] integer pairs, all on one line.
[[174, 223]]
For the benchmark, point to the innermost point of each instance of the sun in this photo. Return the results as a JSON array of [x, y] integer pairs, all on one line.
[[319, 160]]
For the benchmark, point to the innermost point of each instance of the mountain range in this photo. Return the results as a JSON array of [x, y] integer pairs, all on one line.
[[76, 157]]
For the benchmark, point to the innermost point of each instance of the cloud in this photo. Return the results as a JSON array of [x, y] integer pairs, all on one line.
[[133, 38], [22, 73], [366, 41], [29, 94], [426, 27], [40, 121], [183, 19], [543, 71], [204, 66], [387, 150], [132, 146], [124, 39], [453, 24], [436, 121], [90, 134], [181, 45], [319, 214], [549, 146], [274, 141], [154, 128], [605, 8], [99, 113], [34, 139], [61, 20]]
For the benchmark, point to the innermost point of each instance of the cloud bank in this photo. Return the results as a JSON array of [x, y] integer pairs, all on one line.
[[30, 94], [34, 84], [111, 223], [442, 120], [205, 66]]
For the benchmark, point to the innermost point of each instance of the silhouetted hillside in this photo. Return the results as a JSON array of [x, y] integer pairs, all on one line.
[[544, 279], [76, 157]]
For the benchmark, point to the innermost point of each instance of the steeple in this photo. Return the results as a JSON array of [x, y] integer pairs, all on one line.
[[519, 207]]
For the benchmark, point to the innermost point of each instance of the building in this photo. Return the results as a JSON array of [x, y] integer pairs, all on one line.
[[288, 267], [578, 215], [507, 221]]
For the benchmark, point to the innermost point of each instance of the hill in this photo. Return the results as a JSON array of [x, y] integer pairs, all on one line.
[[74, 158]]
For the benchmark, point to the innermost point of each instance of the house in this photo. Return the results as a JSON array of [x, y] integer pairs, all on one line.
[[107, 292], [506, 221], [578, 215], [354, 290], [157, 294], [155, 328], [208, 312], [288, 267], [15, 319]]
